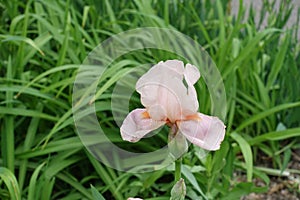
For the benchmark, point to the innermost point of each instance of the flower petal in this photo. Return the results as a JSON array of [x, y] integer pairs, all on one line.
[[176, 65], [204, 131], [137, 124], [163, 85], [191, 74], [157, 112]]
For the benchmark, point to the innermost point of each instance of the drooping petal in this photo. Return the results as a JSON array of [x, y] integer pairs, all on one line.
[[204, 131], [137, 124], [163, 85]]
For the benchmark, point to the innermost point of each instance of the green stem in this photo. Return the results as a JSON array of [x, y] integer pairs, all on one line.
[[178, 169]]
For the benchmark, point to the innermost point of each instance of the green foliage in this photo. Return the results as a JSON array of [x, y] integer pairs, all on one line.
[[11, 183], [96, 194], [44, 42]]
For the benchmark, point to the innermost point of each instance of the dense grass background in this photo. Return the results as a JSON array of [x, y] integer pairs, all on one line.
[[44, 42]]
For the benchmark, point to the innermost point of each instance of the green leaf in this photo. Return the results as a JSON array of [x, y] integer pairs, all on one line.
[[266, 113], [286, 159], [29, 41], [243, 189], [247, 50], [27, 113], [33, 182], [191, 178], [11, 183], [275, 135], [278, 62], [96, 194], [247, 153]]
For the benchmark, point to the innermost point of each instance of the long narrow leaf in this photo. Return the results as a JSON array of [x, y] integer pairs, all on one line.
[[11, 183]]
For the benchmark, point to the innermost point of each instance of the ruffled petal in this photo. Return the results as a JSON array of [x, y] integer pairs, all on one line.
[[176, 65], [137, 124], [204, 131], [163, 85]]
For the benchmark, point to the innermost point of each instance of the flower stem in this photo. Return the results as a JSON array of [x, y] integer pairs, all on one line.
[[178, 169]]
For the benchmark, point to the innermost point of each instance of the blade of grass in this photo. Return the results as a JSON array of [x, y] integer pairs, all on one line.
[[191, 178], [8, 135], [75, 184], [221, 35], [11, 183], [103, 174], [30, 136], [24, 112], [13, 38], [247, 50], [51, 71], [66, 34], [20, 54], [275, 135], [33, 182], [266, 113], [247, 153], [278, 62], [112, 17], [96, 194], [47, 188]]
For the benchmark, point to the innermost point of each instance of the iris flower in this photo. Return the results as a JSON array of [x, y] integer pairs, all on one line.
[[169, 97]]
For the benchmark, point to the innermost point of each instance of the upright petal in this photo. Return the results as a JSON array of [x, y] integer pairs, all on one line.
[[163, 85], [176, 65], [162, 100], [191, 74], [172, 68], [204, 131], [137, 124], [159, 81]]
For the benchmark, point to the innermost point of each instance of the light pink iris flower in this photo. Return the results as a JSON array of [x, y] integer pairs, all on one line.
[[168, 94]]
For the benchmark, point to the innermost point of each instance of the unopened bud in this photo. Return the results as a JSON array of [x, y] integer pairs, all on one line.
[[178, 191]]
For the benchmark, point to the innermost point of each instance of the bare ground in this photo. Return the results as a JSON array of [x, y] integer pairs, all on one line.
[[281, 187]]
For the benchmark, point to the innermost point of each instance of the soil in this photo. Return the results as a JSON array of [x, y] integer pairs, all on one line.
[[281, 187]]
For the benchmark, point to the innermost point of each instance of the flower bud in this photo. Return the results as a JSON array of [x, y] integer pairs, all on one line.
[[178, 191]]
